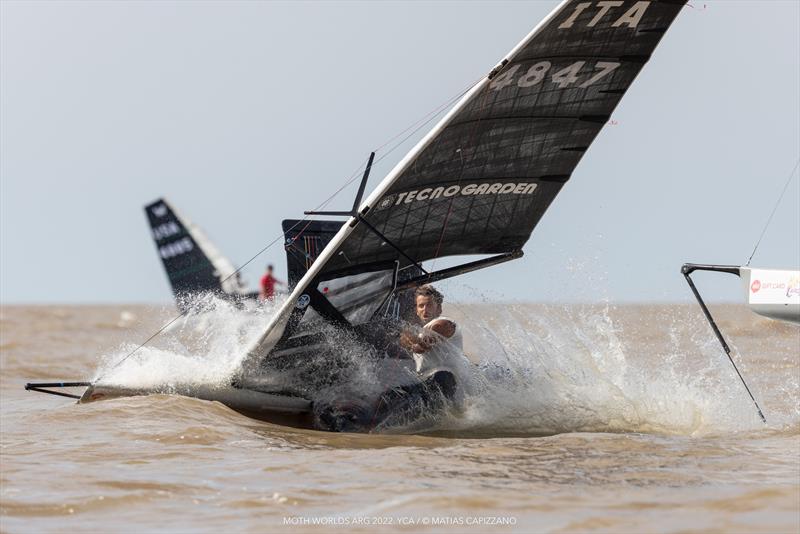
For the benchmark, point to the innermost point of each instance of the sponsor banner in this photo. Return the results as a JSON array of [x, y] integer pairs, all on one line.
[[774, 287], [470, 189]]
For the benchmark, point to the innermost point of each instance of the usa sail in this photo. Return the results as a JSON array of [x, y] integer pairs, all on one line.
[[192, 262], [481, 180]]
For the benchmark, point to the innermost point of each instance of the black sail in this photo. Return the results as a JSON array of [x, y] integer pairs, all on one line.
[[192, 263], [482, 179], [484, 182]]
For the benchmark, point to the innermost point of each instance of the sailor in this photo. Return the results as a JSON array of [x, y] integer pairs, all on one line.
[[268, 282], [436, 329]]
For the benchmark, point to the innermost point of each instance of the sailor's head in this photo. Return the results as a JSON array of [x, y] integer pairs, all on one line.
[[427, 303], [269, 268]]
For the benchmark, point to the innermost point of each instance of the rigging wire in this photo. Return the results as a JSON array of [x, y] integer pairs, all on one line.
[[430, 115], [774, 209], [414, 127]]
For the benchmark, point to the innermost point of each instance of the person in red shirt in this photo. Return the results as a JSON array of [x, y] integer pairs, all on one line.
[[268, 283]]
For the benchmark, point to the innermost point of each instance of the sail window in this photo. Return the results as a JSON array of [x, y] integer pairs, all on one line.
[[358, 296]]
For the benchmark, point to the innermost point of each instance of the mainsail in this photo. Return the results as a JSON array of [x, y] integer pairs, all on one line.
[[480, 181], [192, 262]]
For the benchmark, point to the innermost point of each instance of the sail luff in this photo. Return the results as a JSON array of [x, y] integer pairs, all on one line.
[[261, 345]]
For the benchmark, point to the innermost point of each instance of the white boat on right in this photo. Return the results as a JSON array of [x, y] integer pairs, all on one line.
[[771, 293]]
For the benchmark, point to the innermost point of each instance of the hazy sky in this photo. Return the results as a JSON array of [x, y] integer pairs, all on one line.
[[243, 114]]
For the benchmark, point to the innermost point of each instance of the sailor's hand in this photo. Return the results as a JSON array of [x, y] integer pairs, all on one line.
[[407, 339], [421, 347], [412, 341], [424, 341], [428, 339]]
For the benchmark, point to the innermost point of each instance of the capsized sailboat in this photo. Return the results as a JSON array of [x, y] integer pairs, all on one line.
[[477, 184]]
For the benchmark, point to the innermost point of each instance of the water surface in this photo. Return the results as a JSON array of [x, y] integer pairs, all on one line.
[[588, 418]]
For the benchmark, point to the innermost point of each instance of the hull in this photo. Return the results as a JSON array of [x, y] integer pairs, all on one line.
[[279, 409], [405, 402], [773, 293]]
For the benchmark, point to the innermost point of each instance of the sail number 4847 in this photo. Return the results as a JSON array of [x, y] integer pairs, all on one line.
[[562, 77]]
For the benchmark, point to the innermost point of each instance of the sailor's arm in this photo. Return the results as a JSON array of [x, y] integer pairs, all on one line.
[[444, 327], [420, 342]]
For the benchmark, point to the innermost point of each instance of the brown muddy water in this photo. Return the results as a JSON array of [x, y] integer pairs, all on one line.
[[587, 419]]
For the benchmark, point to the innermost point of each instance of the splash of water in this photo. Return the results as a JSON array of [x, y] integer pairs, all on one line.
[[575, 369], [542, 370], [201, 348]]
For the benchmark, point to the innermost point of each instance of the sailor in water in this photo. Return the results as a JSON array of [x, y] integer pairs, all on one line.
[[435, 329]]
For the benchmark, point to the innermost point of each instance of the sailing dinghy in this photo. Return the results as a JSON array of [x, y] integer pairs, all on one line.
[[476, 184]]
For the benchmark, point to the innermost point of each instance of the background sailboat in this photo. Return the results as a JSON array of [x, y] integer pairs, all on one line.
[[192, 262]]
